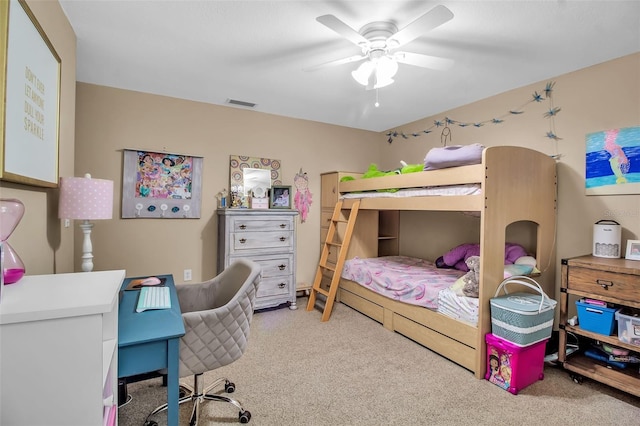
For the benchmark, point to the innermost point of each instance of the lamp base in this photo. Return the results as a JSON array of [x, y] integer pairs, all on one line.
[[87, 248]]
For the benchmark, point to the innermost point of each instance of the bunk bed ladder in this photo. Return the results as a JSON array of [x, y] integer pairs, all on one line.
[[327, 270]]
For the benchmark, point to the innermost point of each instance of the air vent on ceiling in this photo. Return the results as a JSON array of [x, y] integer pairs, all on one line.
[[241, 103]]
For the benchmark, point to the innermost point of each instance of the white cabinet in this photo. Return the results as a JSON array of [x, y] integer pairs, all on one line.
[[59, 349], [267, 237]]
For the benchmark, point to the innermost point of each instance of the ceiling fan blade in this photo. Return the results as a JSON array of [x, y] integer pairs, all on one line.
[[336, 62], [424, 61], [343, 29], [430, 20]]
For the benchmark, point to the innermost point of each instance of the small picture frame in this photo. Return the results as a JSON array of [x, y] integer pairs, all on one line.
[[280, 197], [633, 250]]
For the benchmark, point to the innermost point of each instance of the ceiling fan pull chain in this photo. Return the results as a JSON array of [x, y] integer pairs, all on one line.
[[446, 134], [377, 104]]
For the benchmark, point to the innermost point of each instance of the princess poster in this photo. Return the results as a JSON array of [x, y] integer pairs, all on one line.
[[160, 184]]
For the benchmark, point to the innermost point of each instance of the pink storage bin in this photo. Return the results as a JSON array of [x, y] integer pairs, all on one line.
[[512, 367]]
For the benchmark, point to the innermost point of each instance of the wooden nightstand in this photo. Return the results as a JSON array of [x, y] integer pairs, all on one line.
[[612, 280]]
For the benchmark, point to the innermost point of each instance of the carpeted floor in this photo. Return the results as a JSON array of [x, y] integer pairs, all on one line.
[[352, 371]]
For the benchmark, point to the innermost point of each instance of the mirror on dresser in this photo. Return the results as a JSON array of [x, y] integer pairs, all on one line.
[[255, 179]]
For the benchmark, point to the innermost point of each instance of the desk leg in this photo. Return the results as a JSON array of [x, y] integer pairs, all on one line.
[[173, 384]]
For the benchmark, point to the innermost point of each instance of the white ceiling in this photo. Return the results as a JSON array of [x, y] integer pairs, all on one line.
[[255, 51]]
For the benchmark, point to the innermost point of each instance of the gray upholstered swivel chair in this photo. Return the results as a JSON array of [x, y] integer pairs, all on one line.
[[217, 315]]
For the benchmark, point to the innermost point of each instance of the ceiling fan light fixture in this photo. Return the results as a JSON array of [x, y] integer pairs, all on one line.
[[381, 70], [379, 41], [386, 67], [363, 73], [382, 82]]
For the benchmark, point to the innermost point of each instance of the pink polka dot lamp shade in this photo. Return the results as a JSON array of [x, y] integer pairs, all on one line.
[[85, 198]]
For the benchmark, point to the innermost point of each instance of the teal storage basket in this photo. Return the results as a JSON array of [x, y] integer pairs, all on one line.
[[522, 318]]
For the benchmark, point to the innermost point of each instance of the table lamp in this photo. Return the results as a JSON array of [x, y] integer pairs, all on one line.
[[86, 199]]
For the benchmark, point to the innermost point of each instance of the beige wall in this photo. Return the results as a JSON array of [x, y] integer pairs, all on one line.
[[42, 244], [109, 120]]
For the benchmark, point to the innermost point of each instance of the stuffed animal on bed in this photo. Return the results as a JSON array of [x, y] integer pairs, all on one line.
[[374, 172], [410, 168], [472, 278]]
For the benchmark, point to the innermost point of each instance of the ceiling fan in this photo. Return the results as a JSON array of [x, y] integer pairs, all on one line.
[[379, 41]]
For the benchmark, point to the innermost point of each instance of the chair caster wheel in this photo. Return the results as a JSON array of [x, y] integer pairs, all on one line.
[[577, 378], [244, 416], [230, 387], [150, 423], [182, 392]]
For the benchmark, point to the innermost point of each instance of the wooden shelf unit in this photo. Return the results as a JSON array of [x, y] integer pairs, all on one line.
[[615, 281], [388, 232]]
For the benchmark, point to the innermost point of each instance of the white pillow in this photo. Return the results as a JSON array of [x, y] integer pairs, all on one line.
[[526, 260]]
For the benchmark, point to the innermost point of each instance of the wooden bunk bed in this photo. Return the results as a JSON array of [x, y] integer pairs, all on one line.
[[517, 184]]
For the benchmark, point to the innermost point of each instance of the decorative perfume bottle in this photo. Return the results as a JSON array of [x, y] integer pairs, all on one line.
[[11, 212]]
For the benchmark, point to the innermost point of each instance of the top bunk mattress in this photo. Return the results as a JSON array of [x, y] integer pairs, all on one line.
[[446, 190]]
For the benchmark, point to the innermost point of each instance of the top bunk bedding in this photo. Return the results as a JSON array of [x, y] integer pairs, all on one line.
[[426, 179], [447, 190], [506, 176], [511, 161]]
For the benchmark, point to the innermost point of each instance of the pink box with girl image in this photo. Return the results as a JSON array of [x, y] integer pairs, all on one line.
[[513, 367]]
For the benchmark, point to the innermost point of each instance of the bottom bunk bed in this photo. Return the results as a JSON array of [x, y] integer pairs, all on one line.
[[451, 338], [420, 301]]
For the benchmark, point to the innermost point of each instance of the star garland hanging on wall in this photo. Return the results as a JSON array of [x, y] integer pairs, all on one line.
[[546, 94]]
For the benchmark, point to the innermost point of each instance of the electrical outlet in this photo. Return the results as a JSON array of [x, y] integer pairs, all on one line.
[[187, 274]]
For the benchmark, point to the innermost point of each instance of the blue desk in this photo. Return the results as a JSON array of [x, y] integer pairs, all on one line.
[[149, 341]]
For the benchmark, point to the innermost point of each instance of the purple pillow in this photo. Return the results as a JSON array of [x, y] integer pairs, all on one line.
[[453, 156]]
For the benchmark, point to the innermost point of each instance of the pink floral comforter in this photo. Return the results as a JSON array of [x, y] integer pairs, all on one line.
[[407, 279]]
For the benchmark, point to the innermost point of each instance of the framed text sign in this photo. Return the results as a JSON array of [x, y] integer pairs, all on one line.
[[31, 90], [161, 185]]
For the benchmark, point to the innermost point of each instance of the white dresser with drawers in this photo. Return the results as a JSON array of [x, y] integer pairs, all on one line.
[[267, 237]]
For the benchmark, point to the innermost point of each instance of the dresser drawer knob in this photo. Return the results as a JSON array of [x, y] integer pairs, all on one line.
[[605, 284], [283, 225], [242, 226], [282, 267], [282, 285], [283, 239], [243, 240]]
